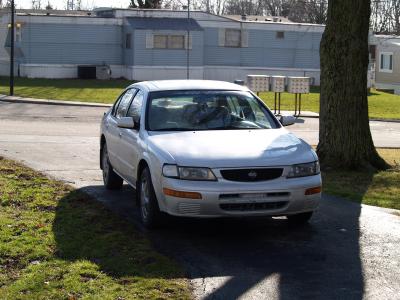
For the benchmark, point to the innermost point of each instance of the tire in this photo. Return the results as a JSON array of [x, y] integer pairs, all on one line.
[[111, 180], [300, 219], [150, 213]]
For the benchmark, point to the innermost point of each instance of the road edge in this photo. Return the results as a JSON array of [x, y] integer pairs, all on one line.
[[16, 99]]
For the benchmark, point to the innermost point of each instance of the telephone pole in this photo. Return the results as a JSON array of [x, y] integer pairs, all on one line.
[[12, 49], [188, 42]]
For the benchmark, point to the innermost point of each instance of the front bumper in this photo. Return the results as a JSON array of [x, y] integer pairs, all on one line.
[[229, 199]]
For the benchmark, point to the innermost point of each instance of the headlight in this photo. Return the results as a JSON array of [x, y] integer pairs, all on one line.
[[188, 173], [170, 171], [303, 170]]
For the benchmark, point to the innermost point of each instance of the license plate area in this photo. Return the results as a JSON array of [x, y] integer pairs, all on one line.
[[253, 196]]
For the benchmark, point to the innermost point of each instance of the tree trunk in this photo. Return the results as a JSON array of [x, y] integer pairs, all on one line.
[[345, 140]]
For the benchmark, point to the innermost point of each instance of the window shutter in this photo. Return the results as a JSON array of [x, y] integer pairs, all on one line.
[[245, 38], [149, 41], [190, 41], [221, 37]]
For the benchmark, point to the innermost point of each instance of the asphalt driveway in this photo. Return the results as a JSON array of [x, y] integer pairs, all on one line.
[[347, 252]]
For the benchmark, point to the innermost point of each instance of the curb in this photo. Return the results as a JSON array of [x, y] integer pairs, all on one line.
[[386, 120], [13, 99]]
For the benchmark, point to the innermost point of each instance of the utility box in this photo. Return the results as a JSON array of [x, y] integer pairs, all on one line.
[[258, 83], [299, 85], [103, 72], [278, 84]]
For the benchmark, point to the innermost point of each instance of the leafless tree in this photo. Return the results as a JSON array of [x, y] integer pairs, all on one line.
[[49, 6], [244, 7], [145, 4], [307, 11], [36, 4], [276, 7], [382, 14]]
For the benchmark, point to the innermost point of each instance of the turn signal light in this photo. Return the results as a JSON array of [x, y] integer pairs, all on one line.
[[312, 191], [181, 194]]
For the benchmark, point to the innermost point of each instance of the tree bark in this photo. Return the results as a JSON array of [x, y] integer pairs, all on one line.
[[345, 140]]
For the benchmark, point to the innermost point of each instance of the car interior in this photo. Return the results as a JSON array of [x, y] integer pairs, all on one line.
[[204, 111]]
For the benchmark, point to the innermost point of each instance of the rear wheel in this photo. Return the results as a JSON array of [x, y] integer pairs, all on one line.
[[111, 180], [299, 219], [150, 213]]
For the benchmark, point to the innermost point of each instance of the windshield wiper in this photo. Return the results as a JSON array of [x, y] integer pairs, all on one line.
[[174, 129], [233, 128]]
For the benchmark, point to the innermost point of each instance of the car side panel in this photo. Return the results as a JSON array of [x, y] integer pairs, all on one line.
[[111, 133], [129, 153]]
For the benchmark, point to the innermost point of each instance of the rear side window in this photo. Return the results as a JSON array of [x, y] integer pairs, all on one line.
[[124, 104]]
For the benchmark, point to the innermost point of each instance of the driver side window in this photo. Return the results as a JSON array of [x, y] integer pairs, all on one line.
[[123, 104]]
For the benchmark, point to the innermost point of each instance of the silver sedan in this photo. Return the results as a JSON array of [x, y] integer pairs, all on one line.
[[199, 148]]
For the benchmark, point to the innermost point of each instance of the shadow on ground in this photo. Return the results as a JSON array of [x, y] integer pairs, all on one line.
[[84, 229], [264, 258]]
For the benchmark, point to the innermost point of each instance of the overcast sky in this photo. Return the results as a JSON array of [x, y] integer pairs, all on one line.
[[61, 4]]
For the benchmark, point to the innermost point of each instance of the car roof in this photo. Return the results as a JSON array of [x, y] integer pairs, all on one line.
[[178, 85]]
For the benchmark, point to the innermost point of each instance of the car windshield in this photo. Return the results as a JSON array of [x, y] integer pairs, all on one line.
[[207, 110]]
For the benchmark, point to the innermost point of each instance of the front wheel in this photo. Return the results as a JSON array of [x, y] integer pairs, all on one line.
[[111, 180], [150, 213], [300, 219]]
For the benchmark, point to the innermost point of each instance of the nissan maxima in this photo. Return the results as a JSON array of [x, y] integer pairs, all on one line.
[[198, 148]]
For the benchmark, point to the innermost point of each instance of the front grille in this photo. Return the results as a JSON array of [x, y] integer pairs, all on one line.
[[189, 208], [253, 206], [252, 175]]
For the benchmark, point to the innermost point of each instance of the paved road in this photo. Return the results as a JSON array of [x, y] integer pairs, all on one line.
[[384, 134], [347, 252]]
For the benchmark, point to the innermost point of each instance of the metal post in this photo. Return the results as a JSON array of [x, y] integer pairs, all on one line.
[[279, 104], [12, 50], [188, 41], [299, 104]]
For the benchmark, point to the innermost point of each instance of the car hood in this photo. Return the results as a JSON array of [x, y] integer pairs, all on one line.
[[231, 148]]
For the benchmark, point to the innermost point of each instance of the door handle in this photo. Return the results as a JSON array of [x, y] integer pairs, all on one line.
[[120, 134]]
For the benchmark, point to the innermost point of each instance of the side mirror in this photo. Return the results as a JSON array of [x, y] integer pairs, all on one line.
[[128, 123], [287, 120]]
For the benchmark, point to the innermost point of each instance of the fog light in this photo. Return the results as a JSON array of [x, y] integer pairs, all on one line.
[[312, 191], [181, 194]]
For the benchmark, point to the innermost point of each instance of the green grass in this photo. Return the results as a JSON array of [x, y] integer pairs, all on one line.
[[57, 243], [381, 104], [378, 189], [102, 91]]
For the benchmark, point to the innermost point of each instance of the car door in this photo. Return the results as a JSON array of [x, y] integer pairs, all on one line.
[[130, 140], [113, 136]]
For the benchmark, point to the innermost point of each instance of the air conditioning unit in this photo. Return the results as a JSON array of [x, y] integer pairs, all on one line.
[[299, 85], [103, 72], [258, 83], [278, 84]]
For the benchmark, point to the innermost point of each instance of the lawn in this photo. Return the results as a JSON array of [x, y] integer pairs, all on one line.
[[378, 189], [102, 91], [57, 243], [381, 104]]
